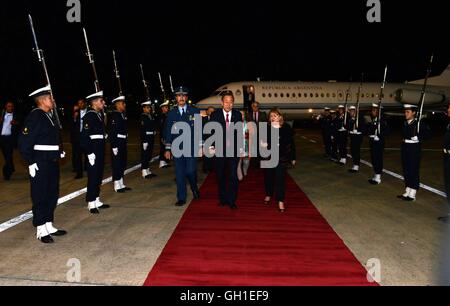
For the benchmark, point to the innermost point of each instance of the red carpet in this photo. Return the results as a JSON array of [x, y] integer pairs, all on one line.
[[256, 245]]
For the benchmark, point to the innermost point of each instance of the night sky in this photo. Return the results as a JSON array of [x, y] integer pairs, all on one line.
[[205, 44]]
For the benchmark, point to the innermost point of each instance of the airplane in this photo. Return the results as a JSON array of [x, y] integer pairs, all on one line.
[[303, 100]]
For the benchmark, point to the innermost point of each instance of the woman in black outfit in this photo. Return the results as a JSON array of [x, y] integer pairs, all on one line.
[[275, 178]]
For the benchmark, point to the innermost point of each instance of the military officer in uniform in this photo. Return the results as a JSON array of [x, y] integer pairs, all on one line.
[[377, 136], [165, 108], [341, 127], [355, 128], [334, 135], [446, 152], [93, 143], [147, 132], [185, 166], [118, 135], [40, 147], [325, 125], [411, 151]]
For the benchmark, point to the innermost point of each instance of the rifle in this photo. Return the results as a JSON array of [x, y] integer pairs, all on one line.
[[91, 61], [380, 100], [422, 98], [144, 81], [162, 86], [171, 84], [40, 55], [116, 72], [347, 95], [358, 102]]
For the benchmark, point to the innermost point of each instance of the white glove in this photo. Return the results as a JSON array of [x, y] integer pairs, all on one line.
[[294, 162], [212, 151], [145, 146], [415, 138], [115, 151], [376, 138], [91, 159], [63, 155], [33, 169]]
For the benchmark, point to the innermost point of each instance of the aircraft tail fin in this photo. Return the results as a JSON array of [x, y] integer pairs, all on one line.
[[441, 80]]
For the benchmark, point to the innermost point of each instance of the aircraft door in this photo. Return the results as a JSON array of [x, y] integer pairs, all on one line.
[[249, 96]]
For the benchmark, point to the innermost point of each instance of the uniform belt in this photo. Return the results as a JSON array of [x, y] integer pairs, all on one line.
[[121, 136], [46, 148], [93, 137], [355, 133], [372, 136], [409, 141], [150, 133]]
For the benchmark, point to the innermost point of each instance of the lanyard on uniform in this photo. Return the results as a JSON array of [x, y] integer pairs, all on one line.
[[50, 118]]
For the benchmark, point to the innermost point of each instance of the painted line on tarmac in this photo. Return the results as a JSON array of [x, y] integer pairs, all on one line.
[[400, 177], [28, 215]]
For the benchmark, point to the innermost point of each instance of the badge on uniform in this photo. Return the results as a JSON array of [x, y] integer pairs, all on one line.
[[25, 131], [86, 126]]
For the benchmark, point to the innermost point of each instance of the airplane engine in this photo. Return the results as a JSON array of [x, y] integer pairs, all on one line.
[[407, 96]]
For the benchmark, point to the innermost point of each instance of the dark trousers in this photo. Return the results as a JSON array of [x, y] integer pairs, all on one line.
[[7, 147], [185, 167], [208, 164], [411, 165], [45, 192], [334, 147], [146, 155], [377, 155], [275, 182], [77, 158], [162, 151], [227, 194], [119, 162], [447, 176], [326, 136], [355, 144], [342, 144], [95, 176]]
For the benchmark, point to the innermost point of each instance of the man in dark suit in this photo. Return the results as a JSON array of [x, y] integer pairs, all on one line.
[[9, 129], [77, 126], [256, 116], [227, 117]]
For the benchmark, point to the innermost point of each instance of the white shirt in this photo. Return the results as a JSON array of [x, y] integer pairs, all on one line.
[[225, 116], [180, 109], [7, 127]]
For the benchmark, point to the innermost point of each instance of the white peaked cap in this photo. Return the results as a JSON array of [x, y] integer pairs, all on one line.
[[121, 98], [41, 91], [95, 96], [146, 103]]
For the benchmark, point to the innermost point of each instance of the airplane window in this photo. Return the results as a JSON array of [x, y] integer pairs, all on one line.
[[293, 95], [322, 95], [270, 95], [391, 96], [264, 95], [282, 95], [367, 95], [373, 95], [276, 95], [341, 95], [328, 94], [288, 95], [317, 95], [311, 95], [334, 95]]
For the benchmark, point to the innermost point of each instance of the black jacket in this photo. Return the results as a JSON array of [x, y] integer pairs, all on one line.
[[93, 128], [147, 128], [236, 117], [15, 128], [286, 143]]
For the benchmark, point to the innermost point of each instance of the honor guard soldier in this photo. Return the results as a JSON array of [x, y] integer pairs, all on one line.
[[446, 151], [118, 135], [39, 145], [341, 135], [325, 125], [356, 138], [333, 133], [411, 151], [185, 166], [165, 108], [93, 139], [377, 136], [147, 131]]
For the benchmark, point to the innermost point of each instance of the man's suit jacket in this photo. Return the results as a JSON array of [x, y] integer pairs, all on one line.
[[15, 129], [262, 117], [236, 117]]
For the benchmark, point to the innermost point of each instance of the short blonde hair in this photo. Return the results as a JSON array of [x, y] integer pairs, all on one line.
[[277, 112]]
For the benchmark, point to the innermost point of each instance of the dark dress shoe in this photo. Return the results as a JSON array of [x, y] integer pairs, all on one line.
[[121, 190], [180, 203], [150, 176], [196, 195], [373, 182], [401, 197], [353, 171], [47, 239], [59, 233], [234, 207], [104, 206], [127, 189], [408, 199], [94, 211]]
